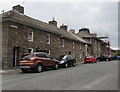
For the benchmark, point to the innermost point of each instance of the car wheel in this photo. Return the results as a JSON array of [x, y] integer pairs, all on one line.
[[107, 59], [24, 70], [74, 64], [66, 65], [56, 66], [98, 60], [92, 62], [39, 68]]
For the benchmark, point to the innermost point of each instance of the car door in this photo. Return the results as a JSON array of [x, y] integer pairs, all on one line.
[[49, 60], [69, 60]]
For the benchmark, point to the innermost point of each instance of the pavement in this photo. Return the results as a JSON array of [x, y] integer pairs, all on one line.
[[16, 70], [10, 71]]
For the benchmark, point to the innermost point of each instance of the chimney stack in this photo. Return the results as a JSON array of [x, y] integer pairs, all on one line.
[[53, 22], [72, 31], [64, 27], [94, 34], [18, 8], [84, 29]]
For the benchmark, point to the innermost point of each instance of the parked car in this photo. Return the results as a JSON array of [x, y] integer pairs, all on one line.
[[116, 58], [66, 60], [104, 58], [37, 61], [89, 59], [25, 54]]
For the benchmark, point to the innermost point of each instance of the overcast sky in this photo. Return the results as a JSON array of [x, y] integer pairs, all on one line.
[[99, 17]]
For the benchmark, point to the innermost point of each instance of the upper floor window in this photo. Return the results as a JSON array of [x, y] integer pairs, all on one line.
[[48, 38], [30, 35], [63, 43], [90, 40], [73, 45], [80, 45], [80, 55]]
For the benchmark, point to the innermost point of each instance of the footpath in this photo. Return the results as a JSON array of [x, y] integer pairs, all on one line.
[[17, 70], [10, 71]]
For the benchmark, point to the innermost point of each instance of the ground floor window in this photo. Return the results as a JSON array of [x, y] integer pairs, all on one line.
[[30, 50], [49, 52]]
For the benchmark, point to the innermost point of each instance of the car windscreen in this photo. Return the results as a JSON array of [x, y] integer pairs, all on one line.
[[41, 55], [28, 56], [62, 57], [24, 55], [87, 57]]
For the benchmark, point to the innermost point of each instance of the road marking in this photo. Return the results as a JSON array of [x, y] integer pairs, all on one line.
[[95, 82]]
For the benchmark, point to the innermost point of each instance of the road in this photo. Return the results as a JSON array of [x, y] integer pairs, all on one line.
[[96, 76]]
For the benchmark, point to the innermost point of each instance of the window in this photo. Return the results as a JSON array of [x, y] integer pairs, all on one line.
[[73, 45], [41, 55], [80, 45], [80, 55], [49, 52], [63, 42], [30, 50], [90, 40], [48, 56], [48, 38], [30, 35]]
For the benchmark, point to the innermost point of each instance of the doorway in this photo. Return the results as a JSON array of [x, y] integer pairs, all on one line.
[[16, 51]]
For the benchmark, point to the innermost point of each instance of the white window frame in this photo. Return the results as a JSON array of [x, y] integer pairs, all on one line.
[[48, 38], [80, 45], [49, 52], [90, 40], [63, 42], [80, 55], [30, 39], [31, 50], [73, 45]]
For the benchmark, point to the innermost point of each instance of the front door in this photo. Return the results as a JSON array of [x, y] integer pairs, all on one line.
[[16, 56]]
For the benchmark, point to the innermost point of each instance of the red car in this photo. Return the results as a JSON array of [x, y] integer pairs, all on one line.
[[89, 59]]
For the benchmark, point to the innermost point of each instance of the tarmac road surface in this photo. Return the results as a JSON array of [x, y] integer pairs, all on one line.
[[94, 76]]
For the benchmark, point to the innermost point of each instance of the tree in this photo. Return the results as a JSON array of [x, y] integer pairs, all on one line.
[[118, 53]]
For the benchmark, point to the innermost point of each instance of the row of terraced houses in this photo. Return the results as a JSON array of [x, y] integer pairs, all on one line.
[[23, 34]]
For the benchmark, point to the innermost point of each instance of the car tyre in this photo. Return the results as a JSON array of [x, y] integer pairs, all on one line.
[[66, 65], [98, 60], [107, 59], [24, 70], [74, 63], [39, 68], [56, 66]]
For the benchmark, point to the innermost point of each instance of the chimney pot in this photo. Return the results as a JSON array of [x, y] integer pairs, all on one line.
[[64, 27], [53, 22], [72, 31]]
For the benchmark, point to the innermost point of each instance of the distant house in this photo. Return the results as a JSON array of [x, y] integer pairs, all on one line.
[[98, 47], [22, 34]]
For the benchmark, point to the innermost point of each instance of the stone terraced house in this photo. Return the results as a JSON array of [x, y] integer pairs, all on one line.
[[97, 47], [22, 34]]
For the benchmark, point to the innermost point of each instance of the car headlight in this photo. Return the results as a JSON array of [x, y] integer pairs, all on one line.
[[61, 62]]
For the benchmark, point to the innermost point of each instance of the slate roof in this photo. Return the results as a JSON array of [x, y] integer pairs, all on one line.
[[26, 20]]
